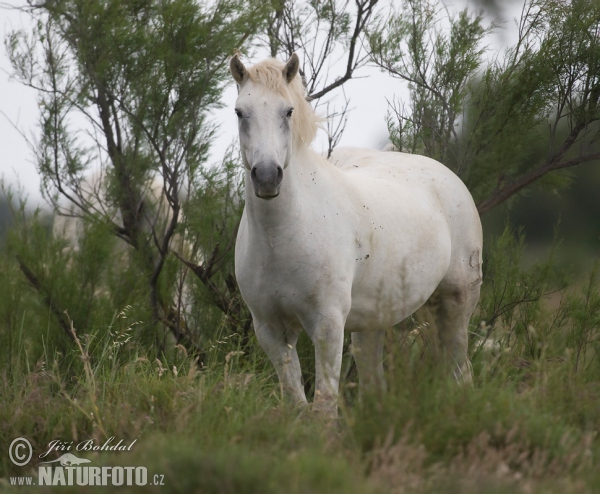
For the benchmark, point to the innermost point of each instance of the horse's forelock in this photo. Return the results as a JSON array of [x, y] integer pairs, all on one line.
[[269, 73]]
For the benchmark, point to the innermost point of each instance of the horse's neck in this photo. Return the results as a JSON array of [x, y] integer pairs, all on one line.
[[291, 203]]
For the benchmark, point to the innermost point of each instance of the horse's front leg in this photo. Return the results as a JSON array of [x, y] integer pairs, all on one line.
[[327, 336], [280, 347]]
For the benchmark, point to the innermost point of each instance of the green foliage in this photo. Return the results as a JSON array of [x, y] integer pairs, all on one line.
[[529, 314], [437, 59], [582, 338], [50, 284], [505, 123], [512, 296], [125, 91]]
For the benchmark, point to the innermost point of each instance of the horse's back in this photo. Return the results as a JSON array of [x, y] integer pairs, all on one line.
[[407, 170], [413, 176]]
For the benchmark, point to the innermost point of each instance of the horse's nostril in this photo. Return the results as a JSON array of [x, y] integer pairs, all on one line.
[[253, 173], [279, 174]]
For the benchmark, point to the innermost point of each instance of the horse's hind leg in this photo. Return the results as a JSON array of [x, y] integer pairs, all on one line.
[[367, 349], [454, 302]]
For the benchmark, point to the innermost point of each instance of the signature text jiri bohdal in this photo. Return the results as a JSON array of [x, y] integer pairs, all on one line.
[[88, 445]]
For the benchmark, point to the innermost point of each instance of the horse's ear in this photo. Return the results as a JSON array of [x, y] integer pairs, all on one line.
[[238, 71], [291, 68]]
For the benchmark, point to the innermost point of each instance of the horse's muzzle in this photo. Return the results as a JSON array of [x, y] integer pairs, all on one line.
[[266, 178]]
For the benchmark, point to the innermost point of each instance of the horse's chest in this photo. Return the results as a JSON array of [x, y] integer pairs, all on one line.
[[285, 275], [285, 279]]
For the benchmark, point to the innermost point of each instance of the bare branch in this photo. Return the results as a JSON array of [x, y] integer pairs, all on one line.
[[499, 196], [363, 14]]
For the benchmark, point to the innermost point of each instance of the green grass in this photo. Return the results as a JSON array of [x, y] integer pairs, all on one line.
[[523, 428]]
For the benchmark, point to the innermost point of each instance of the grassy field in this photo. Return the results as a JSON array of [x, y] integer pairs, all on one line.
[[528, 424]]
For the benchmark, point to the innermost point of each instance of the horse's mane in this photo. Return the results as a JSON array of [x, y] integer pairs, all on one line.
[[305, 122]]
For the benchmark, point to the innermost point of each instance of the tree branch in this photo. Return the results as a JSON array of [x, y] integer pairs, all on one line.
[[364, 12], [37, 284], [504, 193]]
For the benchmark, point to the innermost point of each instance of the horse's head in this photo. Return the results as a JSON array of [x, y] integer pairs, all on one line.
[[270, 108]]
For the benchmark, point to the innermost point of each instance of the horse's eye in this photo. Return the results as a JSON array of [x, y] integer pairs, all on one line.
[[238, 113], [289, 113]]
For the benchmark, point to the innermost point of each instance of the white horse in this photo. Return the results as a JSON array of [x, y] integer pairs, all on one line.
[[356, 244]]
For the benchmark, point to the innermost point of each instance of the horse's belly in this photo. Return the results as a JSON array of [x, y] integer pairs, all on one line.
[[390, 306], [385, 294]]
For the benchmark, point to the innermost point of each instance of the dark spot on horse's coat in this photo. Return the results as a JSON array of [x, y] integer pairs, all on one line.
[[457, 296], [367, 256], [474, 263]]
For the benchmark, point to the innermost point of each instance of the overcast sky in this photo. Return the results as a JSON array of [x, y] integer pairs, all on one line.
[[366, 126]]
